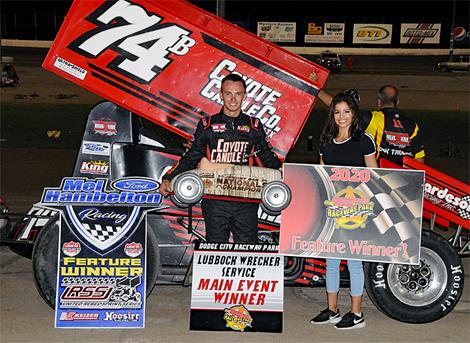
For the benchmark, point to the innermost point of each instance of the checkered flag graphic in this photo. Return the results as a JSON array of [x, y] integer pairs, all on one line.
[[464, 213], [398, 214], [102, 233]]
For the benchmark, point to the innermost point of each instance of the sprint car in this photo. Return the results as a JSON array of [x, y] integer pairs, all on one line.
[[413, 294]]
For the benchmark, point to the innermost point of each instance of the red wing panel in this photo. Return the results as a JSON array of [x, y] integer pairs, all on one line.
[[445, 196], [164, 60]]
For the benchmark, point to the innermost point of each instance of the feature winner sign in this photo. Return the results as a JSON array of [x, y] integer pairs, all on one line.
[[102, 271], [237, 287], [165, 60], [368, 214]]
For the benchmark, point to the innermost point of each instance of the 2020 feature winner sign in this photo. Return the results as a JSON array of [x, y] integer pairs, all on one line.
[[368, 214], [237, 287]]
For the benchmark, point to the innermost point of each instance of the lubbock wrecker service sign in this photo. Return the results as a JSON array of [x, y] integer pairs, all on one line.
[[165, 60]]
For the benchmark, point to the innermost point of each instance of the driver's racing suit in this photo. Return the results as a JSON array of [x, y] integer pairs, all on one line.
[[236, 140]]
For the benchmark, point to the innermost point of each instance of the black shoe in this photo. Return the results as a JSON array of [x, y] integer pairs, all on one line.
[[351, 321], [326, 316]]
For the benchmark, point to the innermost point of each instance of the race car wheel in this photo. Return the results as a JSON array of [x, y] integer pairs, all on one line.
[[188, 188], [293, 268], [418, 294], [276, 196], [45, 254]]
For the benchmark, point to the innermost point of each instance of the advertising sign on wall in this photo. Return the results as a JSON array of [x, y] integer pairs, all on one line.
[[462, 35], [276, 31], [325, 33], [420, 33], [237, 287], [372, 34], [368, 214]]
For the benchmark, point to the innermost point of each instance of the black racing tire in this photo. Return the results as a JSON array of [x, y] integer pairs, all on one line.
[[293, 268], [418, 294], [45, 256]]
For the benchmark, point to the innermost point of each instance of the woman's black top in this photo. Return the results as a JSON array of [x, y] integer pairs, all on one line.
[[350, 152]]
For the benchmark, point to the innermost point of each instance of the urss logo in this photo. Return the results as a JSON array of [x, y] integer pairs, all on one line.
[[137, 35]]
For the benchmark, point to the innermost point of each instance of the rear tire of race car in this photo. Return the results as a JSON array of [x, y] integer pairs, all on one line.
[[275, 196], [421, 294], [45, 254], [293, 268]]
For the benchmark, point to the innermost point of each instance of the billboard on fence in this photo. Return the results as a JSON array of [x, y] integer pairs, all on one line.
[[420, 33], [277, 31], [372, 34], [237, 287], [462, 35], [368, 214], [165, 60], [326, 33]]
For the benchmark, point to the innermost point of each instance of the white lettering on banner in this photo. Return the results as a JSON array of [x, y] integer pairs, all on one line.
[[229, 152], [260, 99], [435, 193], [142, 61]]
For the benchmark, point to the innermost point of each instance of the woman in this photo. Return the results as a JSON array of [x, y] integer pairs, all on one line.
[[343, 143]]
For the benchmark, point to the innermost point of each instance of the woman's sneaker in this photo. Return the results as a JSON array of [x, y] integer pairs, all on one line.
[[326, 316], [351, 321]]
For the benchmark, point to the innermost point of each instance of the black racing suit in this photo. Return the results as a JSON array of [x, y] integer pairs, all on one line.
[[224, 139]]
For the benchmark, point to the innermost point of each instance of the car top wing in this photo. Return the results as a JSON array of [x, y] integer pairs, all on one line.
[[164, 60]]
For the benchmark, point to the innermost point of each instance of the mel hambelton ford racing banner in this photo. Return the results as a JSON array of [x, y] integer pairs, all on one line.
[[237, 287], [102, 264], [368, 214], [165, 60]]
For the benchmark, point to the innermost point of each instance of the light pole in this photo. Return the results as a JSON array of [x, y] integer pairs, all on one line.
[[451, 43], [220, 10]]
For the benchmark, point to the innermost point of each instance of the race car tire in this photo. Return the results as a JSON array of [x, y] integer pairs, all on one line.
[[293, 268], [188, 188], [44, 261], [276, 196], [418, 294]]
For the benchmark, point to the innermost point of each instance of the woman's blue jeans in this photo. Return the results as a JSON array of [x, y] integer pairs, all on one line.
[[356, 276]]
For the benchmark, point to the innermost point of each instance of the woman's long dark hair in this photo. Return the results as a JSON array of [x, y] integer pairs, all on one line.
[[331, 130]]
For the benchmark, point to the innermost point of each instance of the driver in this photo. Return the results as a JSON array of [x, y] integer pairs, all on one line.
[[229, 136]]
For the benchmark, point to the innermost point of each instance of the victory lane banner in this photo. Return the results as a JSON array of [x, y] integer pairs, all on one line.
[[165, 60], [102, 253], [368, 214], [101, 279], [237, 287]]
